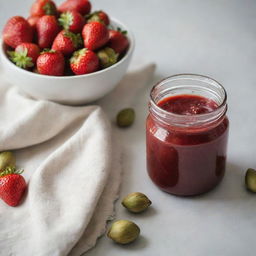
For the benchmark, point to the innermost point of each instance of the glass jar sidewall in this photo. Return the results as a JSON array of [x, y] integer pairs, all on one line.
[[173, 167]]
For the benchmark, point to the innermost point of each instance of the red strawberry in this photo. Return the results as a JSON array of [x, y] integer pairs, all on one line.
[[32, 20], [84, 61], [72, 21], [43, 7], [16, 31], [12, 186], [25, 55], [118, 41], [67, 42], [95, 35], [82, 6], [99, 16], [47, 29], [51, 63]]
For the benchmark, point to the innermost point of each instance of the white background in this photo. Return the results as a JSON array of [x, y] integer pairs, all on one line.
[[211, 37]]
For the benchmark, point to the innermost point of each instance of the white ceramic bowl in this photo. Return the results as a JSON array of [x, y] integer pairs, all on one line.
[[72, 90]]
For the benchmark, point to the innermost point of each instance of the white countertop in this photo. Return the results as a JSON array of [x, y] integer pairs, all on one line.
[[215, 38]]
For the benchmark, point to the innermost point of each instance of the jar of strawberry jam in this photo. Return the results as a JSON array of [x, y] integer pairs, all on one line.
[[186, 134]]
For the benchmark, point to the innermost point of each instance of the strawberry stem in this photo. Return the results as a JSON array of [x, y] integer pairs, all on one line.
[[66, 20], [49, 9], [88, 16], [75, 38], [124, 32], [10, 170], [21, 59], [47, 50], [77, 55], [94, 16]]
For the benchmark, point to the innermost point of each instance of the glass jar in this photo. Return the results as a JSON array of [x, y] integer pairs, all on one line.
[[186, 154]]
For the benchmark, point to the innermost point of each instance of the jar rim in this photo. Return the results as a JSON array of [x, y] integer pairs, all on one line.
[[220, 110]]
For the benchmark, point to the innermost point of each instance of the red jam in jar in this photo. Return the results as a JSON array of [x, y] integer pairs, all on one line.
[[187, 132]]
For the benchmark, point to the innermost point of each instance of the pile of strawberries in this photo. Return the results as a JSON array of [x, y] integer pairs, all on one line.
[[68, 40]]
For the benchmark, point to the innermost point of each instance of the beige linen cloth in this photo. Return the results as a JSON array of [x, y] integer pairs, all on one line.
[[72, 167]]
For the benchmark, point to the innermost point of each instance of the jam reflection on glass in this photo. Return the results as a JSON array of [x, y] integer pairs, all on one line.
[[186, 161]]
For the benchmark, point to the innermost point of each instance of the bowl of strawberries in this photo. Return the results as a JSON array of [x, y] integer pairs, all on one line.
[[67, 54]]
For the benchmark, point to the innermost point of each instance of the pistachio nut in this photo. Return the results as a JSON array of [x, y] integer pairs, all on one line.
[[123, 231], [125, 117], [136, 202], [7, 159], [250, 180]]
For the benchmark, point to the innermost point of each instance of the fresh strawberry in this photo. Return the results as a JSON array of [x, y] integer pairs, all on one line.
[[47, 29], [12, 186], [81, 6], [72, 21], [25, 55], [51, 63], [32, 20], [99, 16], [95, 35], [67, 42], [16, 31], [43, 7], [84, 61], [118, 41]]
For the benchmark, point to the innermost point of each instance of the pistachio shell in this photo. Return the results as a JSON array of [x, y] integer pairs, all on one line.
[[125, 117], [250, 180], [123, 231], [7, 159], [136, 202]]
